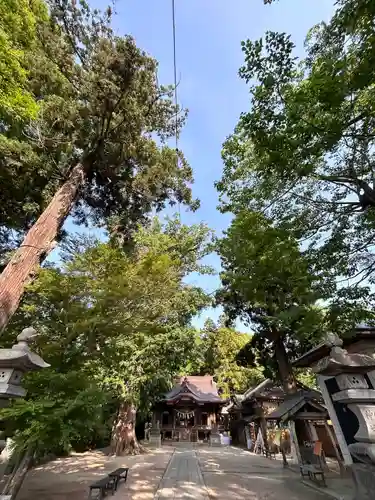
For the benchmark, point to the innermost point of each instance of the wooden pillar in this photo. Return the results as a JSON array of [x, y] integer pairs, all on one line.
[[263, 426], [337, 452], [214, 417], [313, 433], [294, 441]]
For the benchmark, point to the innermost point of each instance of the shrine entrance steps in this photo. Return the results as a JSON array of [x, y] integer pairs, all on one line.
[[185, 445]]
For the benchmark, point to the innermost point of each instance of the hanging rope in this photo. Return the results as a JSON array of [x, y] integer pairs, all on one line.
[[185, 414], [175, 86]]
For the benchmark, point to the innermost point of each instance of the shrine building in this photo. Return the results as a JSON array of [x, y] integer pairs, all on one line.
[[190, 411]]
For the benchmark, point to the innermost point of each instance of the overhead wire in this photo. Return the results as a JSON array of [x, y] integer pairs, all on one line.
[[175, 87], [175, 71]]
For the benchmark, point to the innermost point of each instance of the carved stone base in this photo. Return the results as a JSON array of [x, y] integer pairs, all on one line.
[[364, 480]]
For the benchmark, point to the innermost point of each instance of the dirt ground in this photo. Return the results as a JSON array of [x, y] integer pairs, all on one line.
[[171, 473], [69, 478]]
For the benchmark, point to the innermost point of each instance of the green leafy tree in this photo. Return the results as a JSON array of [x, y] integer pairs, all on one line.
[[93, 143], [307, 377], [71, 409], [266, 282], [21, 175], [119, 322], [18, 21], [303, 154], [220, 346]]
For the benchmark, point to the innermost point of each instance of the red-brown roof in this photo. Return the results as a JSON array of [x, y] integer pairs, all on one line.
[[199, 388]]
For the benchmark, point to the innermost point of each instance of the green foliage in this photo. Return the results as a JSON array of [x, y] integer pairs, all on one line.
[[266, 282], [114, 325], [99, 102], [303, 154], [20, 170], [219, 347], [68, 410], [307, 377], [18, 20]]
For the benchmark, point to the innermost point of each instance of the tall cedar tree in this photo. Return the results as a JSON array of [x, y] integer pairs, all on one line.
[[100, 109]]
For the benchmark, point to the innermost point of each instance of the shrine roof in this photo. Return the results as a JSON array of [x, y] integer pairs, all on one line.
[[292, 404], [200, 388], [267, 389], [271, 390]]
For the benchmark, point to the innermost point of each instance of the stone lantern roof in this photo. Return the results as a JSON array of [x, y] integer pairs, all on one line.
[[361, 333], [20, 357]]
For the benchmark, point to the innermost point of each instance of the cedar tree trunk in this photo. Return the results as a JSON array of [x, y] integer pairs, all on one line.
[[123, 439], [38, 243]]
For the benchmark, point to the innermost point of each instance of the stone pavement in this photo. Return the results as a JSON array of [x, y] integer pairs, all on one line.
[[183, 478], [226, 473]]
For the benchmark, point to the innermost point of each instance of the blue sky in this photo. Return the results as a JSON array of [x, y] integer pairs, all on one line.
[[208, 34]]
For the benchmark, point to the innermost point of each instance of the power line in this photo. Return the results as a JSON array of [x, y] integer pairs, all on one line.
[[175, 87], [175, 70]]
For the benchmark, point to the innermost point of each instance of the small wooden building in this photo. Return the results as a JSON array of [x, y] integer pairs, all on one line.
[[308, 419], [248, 411], [191, 411]]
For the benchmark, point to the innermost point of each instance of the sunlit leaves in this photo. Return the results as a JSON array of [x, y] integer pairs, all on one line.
[[115, 325], [303, 154], [266, 281]]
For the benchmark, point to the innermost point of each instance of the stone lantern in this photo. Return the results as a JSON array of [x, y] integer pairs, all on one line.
[[14, 363], [351, 372]]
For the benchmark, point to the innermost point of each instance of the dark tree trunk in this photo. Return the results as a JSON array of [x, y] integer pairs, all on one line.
[[285, 368], [38, 243], [124, 440], [263, 428]]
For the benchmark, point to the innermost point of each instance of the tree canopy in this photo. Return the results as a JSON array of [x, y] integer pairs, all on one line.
[[97, 148], [303, 154], [18, 37], [115, 327], [219, 347], [266, 282]]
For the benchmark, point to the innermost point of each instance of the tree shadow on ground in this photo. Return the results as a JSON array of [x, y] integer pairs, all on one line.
[[69, 478], [237, 474]]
